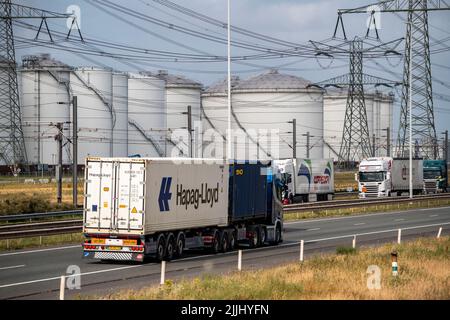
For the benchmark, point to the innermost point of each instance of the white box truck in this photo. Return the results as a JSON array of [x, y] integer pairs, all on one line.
[[157, 207], [306, 180], [385, 177]]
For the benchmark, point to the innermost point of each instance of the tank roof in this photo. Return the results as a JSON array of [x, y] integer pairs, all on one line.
[[270, 80], [173, 80], [43, 60]]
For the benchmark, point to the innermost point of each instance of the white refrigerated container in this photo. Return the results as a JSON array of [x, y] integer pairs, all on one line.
[[142, 196]]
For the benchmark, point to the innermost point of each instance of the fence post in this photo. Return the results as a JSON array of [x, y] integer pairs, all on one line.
[[40, 240], [302, 245], [7, 244], [439, 233], [62, 286], [399, 237], [163, 272], [240, 260], [354, 242]]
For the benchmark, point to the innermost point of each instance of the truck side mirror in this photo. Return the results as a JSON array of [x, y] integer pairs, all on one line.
[[388, 176], [356, 177]]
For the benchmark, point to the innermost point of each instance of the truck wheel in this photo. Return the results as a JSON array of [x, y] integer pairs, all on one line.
[[232, 241], [160, 248], [278, 234], [216, 243], [180, 245], [254, 242], [170, 249], [263, 235], [224, 244]]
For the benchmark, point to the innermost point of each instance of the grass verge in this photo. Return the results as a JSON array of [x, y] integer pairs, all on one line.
[[21, 243], [366, 209], [424, 273]]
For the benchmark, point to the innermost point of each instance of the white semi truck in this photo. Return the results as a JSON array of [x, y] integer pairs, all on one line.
[[385, 177], [157, 207], [307, 180]]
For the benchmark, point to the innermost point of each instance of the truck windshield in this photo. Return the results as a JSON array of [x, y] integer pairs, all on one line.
[[431, 174], [371, 176]]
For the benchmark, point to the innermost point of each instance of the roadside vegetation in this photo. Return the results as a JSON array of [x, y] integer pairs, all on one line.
[[44, 241], [16, 198], [435, 203], [424, 273]]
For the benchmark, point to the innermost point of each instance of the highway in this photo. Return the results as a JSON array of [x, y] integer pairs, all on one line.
[[35, 273]]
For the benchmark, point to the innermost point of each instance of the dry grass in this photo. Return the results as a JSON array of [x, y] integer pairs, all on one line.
[[366, 209], [26, 198], [34, 242], [424, 273], [343, 180]]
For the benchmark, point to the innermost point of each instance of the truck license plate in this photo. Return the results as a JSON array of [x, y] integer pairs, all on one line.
[[115, 248]]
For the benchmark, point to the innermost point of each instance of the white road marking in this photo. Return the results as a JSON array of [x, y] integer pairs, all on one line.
[[362, 215], [399, 220], [359, 224], [434, 215], [78, 274], [12, 267], [313, 229], [40, 250]]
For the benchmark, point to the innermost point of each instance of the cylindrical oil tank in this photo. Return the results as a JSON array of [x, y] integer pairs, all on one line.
[[120, 106], [146, 116], [181, 93], [263, 109], [93, 87], [45, 101], [379, 117]]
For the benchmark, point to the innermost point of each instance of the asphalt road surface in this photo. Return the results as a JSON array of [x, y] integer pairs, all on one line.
[[35, 273]]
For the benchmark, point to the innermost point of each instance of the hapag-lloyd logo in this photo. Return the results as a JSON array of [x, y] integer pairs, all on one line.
[[187, 197], [164, 194]]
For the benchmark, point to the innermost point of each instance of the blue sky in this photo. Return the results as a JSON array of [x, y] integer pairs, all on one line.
[[296, 21]]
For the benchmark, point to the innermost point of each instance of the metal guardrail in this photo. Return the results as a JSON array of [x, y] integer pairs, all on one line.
[[40, 229], [340, 204], [29, 216]]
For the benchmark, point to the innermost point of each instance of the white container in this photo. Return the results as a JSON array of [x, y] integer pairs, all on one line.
[[146, 116], [263, 105], [400, 174], [120, 105], [307, 176], [181, 93], [379, 116], [44, 98], [148, 195], [93, 87]]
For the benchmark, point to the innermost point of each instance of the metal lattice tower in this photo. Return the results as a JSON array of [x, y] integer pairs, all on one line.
[[355, 135], [418, 39], [417, 53], [12, 146], [356, 143]]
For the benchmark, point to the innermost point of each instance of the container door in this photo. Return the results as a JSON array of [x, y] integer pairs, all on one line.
[[130, 195], [99, 191]]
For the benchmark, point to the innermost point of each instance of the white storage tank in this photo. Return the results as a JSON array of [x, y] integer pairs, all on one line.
[[263, 106], [96, 117], [45, 100], [120, 106], [181, 93], [146, 116], [379, 117]]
